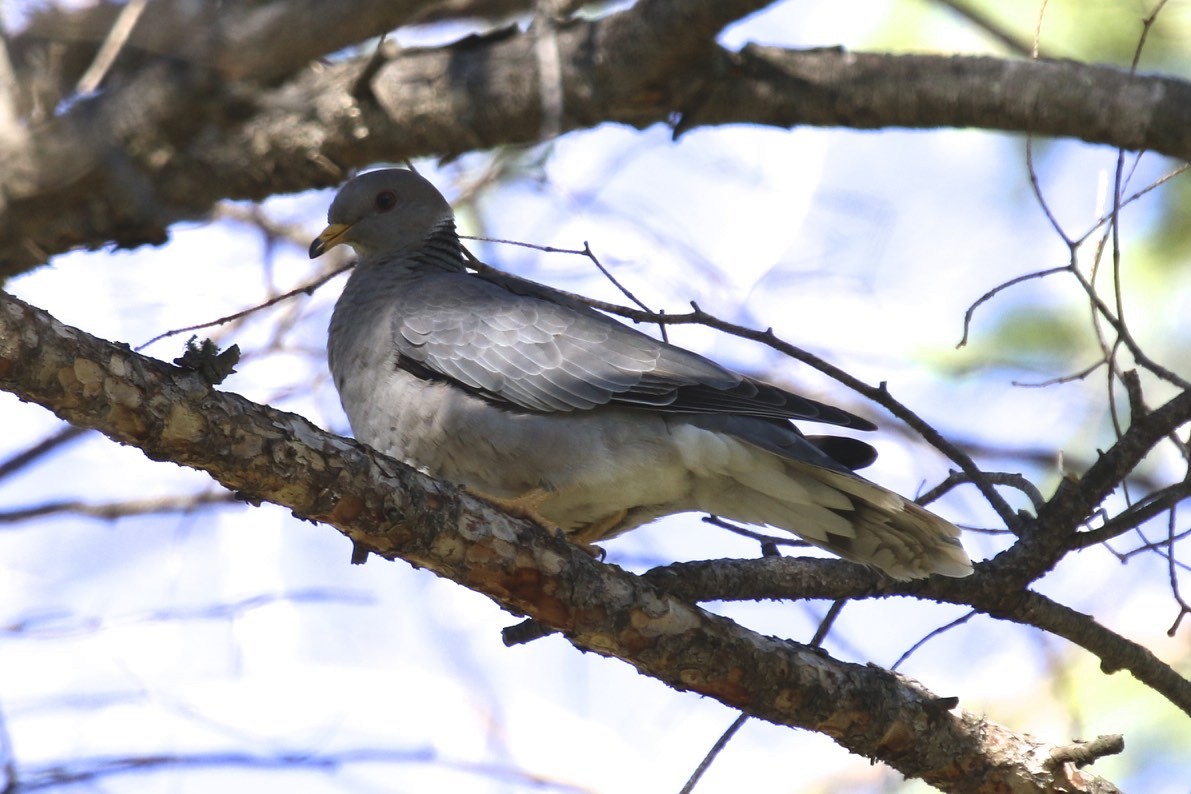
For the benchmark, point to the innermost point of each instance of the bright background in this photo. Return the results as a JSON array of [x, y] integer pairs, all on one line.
[[236, 649]]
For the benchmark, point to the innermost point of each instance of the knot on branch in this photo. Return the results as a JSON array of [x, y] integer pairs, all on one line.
[[1083, 753]]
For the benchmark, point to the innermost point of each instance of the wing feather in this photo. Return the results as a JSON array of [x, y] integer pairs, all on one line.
[[531, 353]]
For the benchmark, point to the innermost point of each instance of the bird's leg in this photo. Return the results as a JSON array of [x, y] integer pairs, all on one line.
[[598, 530], [529, 504], [526, 505]]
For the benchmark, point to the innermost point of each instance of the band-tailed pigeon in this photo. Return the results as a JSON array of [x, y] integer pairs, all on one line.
[[557, 412]]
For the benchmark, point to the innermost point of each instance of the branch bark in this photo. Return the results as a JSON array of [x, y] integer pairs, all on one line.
[[264, 454], [990, 591]]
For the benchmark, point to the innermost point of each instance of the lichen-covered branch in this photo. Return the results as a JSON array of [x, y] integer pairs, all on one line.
[[265, 454]]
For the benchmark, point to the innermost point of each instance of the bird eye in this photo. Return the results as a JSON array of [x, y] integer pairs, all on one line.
[[386, 200]]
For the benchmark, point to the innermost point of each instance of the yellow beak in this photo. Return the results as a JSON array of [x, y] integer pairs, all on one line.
[[330, 237]]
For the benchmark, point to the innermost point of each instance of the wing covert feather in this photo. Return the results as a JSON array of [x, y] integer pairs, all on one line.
[[534, 354]]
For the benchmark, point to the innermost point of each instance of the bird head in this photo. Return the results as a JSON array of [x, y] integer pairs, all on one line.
[[388, 211]]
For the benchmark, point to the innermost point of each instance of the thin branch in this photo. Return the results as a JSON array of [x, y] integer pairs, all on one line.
[[1125, 336], [1172, 573], [54, 625], [1036, 187], [992, 293], [586, 252], [1061, 379], [305, 289], [1147, 25], [112, 511], [116, 39], [941, 630], [1075, 500], [1152, 186], [93, 770], [39, 450], [825, 625], [1013, 480], [990, 26], [1159, 547], [763, 538], [1154, 504], [713, 753], [1114, 651]]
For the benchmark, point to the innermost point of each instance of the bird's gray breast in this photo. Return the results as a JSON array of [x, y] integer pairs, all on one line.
[[432, 422], [389, 408]]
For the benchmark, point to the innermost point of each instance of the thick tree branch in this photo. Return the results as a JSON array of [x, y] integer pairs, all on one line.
[[261, 40], [93, 173], [209, 138], [265, 454], [831, 87]]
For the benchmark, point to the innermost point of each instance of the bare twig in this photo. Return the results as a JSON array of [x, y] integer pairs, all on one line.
[[1010, 479], [110, 49], [91, 770], [305, 289], [1069, 378], [936, 633], [586, 251], [828, 621], [761, 537], [992, 293], [1173, 574], [712, 753], [111, 511], [1125, 336], [1152, 186], [993, 28], [28, 456], [1152, 505], [54, 624]]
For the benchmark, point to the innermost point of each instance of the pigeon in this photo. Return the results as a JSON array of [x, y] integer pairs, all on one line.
[[553, 411]]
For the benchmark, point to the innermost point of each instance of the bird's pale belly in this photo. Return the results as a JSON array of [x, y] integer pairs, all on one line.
[[612, 468]]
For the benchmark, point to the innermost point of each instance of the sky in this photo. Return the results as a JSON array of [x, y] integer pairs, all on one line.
[[243, 641]]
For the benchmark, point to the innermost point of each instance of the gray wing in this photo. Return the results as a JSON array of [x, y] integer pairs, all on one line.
[[529, 352]]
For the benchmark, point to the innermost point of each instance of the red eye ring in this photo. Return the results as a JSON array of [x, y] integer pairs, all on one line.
[[385, 200]]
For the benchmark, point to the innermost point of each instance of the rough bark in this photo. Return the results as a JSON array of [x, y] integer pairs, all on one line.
[[991, 593]]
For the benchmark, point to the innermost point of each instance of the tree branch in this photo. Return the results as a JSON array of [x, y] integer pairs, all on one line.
[[785, 578], [1077, 498], [210, 138], [262, 40], [265, 454], [831, 87]]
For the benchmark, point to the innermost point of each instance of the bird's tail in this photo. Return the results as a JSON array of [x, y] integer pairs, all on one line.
[[892, 533], [851, 517]]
